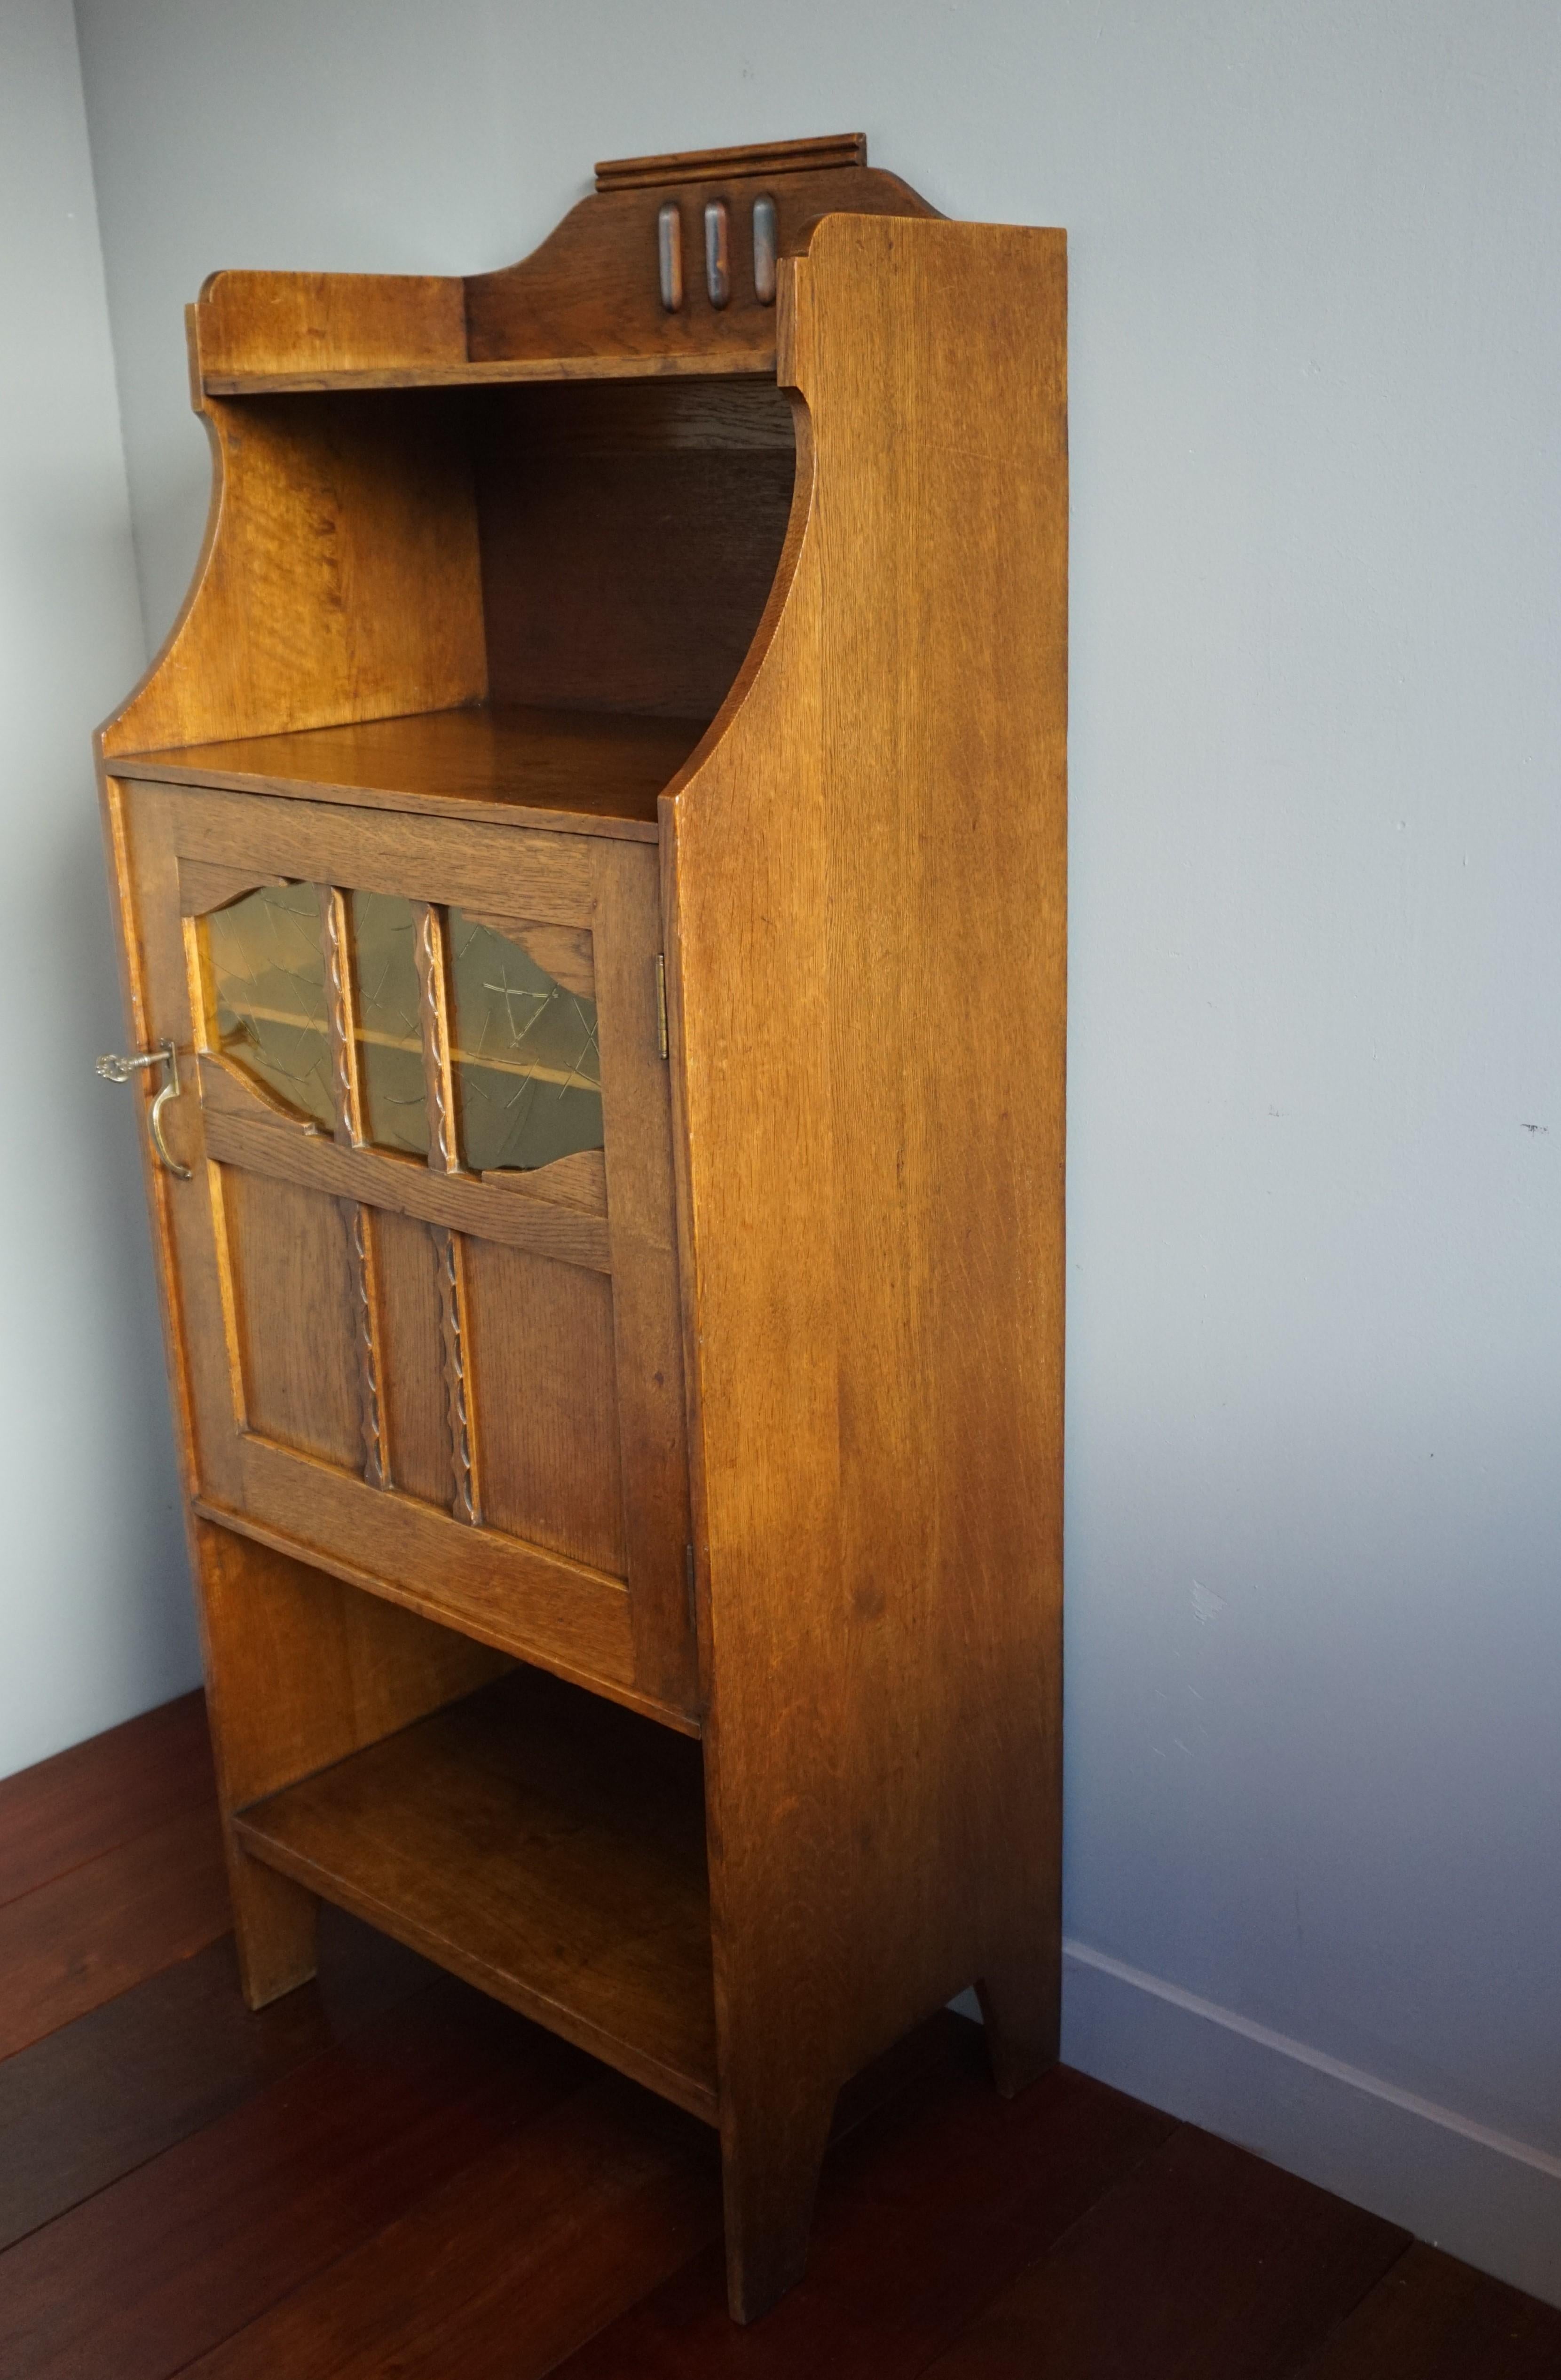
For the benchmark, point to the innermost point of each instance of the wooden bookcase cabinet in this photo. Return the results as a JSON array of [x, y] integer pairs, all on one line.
[[594, 846]]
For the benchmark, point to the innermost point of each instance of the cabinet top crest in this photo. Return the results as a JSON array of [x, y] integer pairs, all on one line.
[[670, 266]]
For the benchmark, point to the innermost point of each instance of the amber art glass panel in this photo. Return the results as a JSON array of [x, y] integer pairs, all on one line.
[[528, 1072], [390, 1038], [268, 974]]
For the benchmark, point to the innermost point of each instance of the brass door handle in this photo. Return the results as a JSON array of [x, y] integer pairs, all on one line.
[[119, 1070]]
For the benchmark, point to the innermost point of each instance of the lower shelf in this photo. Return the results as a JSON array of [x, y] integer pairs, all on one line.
[[543, 1844]]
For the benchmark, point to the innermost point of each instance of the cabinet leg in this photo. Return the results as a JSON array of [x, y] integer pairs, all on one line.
[[770, 2174], [1021, 2000], [274, 1921]]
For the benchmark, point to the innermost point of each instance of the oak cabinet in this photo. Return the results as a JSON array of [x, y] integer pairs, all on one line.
[[590, 877]]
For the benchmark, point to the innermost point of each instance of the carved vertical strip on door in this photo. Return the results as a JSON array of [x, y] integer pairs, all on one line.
[[433, 977], [363, 1228]]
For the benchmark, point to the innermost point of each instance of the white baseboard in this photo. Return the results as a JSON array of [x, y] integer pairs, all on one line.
[[1478, 2194]]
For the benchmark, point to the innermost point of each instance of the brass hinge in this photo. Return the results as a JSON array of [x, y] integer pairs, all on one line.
[[661, 1005]]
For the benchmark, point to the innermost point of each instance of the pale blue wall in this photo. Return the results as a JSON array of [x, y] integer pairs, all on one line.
[[94, 1603], [1314, 1471]]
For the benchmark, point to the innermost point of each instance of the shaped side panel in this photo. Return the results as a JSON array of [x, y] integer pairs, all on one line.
[[866, 871], [339, 578]]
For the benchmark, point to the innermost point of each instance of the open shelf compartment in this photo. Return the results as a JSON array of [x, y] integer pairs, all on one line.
[[596, 771], [544, 1845]]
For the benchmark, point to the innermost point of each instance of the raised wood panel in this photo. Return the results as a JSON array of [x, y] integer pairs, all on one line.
[[416, 1423], [295, 1315], [338, 580], [545, 1394]]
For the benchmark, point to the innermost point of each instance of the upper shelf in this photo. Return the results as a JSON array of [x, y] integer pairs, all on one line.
[[757, 363], [577, 771], [674, 265]]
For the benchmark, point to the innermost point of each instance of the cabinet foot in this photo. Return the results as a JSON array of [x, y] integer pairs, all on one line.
[[274, 1921], [770, 2174], [1021, 2000]]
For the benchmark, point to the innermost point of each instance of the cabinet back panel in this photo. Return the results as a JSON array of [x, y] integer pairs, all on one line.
[[412, 1365], [630, 537], [546, 1402], [295, 1315]]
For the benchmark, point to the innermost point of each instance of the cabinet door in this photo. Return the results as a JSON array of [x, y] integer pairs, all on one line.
[[422, 1276]]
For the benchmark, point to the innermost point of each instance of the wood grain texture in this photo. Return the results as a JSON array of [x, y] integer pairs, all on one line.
[[542, 1844], [862, 911], [593, 287], [927, 2209], [250, 1144], [544, 877], [747, 362], [521, 1596], [290, 1252], [510, 2265], [519, 2257], [1433, 2318], [474, 1604], [590, 773], [301, 1672], [160, 2267], [186, 2187], [72, 1808], [338, 579], [326, 321], [872, 846], [167, 2057], [762, 158], [68, 1946], [579, 1181], [629, 542], [647, 1349], [1241, 2270], [544, 1390]]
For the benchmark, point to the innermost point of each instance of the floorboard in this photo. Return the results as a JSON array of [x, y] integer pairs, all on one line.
[[101, 2097], [1205, 2260], [385, 2173], [931, 2208], [72, 1944], [162, 2266], [511, 2265], [1436, 2319], [85, 1802]]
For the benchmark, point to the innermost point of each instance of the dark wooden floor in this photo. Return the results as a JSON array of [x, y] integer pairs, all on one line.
[[384, 2174]]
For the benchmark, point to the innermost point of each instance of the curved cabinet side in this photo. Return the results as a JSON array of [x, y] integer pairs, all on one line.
[[338, 578], [866, 874]]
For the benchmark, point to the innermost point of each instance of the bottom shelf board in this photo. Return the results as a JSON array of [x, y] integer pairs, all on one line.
[[543, 1844]]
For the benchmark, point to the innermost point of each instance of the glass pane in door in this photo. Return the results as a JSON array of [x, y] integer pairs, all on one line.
[[268, 974], [527, 1070], [389, 1034]]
